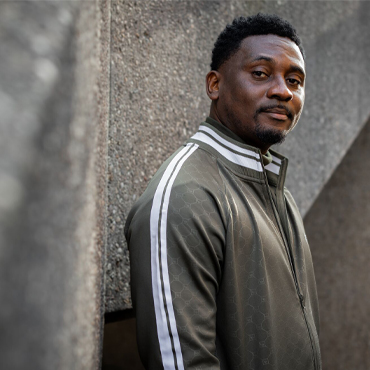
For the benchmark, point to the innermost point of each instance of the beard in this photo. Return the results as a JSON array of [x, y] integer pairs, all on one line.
[[269, 135]]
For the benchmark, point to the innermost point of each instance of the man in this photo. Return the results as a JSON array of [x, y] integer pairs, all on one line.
[[221, 270]]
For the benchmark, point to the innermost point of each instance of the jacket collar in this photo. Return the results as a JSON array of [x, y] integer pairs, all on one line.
[[240, 157]]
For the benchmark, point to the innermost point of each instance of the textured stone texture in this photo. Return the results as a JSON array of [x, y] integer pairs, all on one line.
[[161, 52], [53, 144], [337, 228]]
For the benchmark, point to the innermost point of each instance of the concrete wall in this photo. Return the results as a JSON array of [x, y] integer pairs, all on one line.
[[161, 52], [337, 228], [54, 89]]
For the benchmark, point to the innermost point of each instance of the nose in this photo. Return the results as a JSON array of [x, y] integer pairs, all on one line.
[[279, 90]]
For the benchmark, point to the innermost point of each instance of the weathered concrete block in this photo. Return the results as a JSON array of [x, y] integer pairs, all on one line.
[[54, 112], [161, 52], [337, 228]]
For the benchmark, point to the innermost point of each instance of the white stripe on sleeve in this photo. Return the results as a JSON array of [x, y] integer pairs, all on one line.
[[166, 322]]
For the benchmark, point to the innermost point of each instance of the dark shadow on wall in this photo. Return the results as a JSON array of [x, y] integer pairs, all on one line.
[[337, 228], [119, 346]]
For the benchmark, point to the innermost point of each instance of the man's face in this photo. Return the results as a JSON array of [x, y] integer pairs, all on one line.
[[261, 90]]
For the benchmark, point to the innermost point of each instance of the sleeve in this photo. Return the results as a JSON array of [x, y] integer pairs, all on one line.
[[176, 243]]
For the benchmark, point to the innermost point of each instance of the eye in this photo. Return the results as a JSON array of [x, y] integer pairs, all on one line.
[[259, 74], [294, 81]]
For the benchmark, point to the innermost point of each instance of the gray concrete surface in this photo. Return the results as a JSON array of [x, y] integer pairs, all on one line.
[[337, 228], [160, 55], [53, 144]]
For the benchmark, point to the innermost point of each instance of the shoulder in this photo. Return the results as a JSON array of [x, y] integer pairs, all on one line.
[[292, 205], [188, 168], [189, 175], [289, 197]]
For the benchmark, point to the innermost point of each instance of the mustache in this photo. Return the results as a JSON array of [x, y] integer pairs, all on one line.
[[267, 108]]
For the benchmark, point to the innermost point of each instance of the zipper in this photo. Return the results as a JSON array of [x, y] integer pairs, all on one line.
[[290, 257], [282, 233], [311, 334]]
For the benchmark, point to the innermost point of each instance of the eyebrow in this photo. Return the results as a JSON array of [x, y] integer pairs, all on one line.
[[293, 67], [261, 57]]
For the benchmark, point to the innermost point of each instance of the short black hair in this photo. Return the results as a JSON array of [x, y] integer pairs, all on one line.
[[229, 40]]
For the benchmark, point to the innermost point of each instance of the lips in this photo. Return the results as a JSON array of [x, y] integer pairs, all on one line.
[[280, 114], [277, 116]]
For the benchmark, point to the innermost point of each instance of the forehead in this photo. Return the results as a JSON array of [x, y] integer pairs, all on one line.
[[278, 48]]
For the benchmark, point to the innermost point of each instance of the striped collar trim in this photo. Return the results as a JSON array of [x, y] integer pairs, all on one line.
[[234, 152], [275, 165]]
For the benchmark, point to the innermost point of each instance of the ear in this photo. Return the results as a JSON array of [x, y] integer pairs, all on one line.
[[212, 84]]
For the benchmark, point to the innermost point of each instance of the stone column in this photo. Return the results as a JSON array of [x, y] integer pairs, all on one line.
[[54, 103]]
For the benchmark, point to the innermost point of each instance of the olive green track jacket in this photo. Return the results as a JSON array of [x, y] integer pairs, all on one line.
[[221, 271]]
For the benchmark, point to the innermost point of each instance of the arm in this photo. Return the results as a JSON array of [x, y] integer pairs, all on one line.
[[176, 256]]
